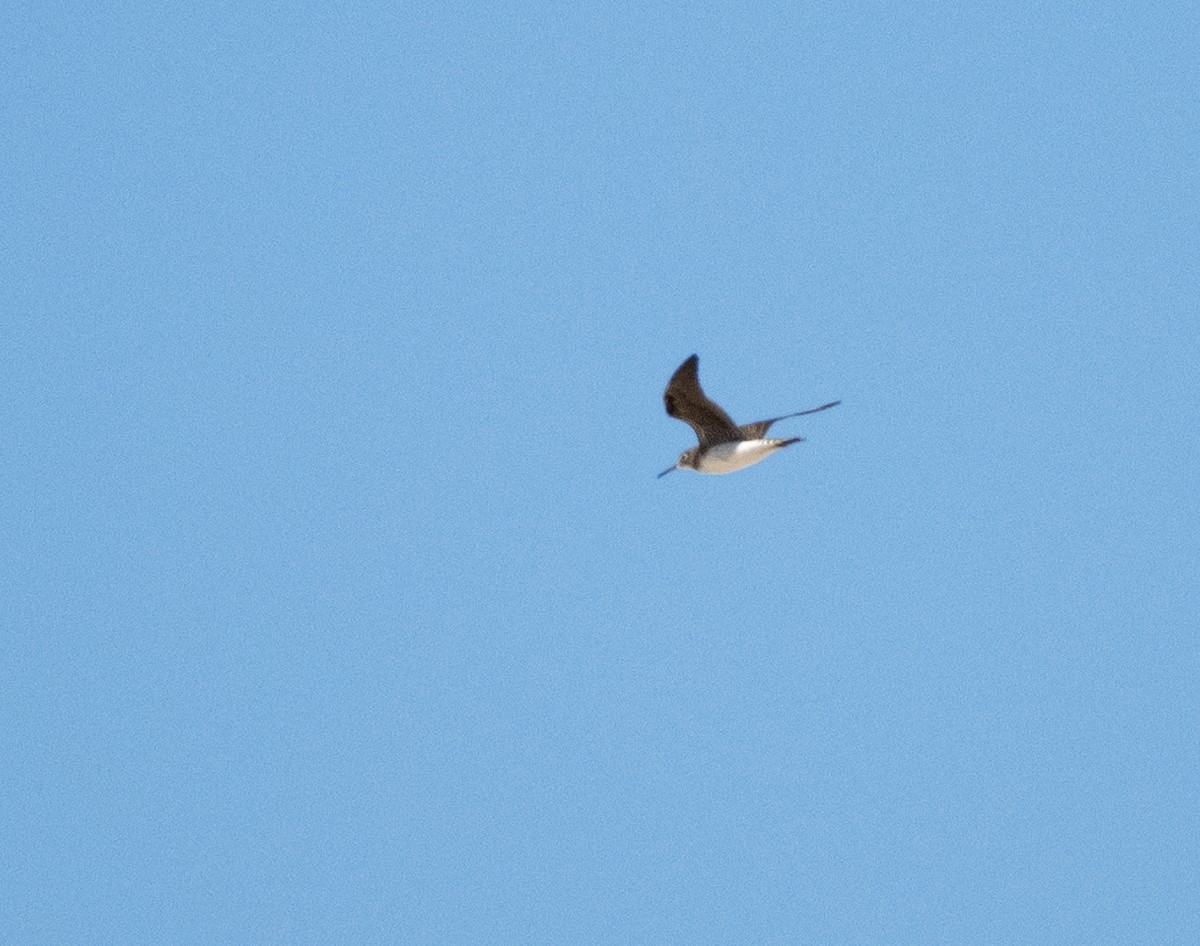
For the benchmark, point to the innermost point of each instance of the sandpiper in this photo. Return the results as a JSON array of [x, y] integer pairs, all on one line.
[[724, 446]]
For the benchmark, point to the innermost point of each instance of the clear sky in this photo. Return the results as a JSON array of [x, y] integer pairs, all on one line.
[[341, 603]]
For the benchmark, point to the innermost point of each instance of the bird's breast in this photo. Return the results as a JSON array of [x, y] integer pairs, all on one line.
[[736, 455]]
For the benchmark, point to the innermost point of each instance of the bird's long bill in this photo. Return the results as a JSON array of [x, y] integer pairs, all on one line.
[[669, 469]]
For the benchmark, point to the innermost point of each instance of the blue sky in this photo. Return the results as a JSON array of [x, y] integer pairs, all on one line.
[[341, 602]]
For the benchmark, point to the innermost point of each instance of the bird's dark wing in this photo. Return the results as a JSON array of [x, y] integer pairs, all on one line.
[[685, 400], [756, 430]]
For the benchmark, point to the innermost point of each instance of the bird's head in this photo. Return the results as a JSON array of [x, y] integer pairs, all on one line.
[[686, 461]]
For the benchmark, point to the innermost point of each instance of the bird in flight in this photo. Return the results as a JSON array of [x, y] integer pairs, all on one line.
[[724, 446]]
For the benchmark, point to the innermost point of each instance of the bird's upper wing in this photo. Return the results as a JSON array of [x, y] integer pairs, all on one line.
[[685, 400], [759, 427]]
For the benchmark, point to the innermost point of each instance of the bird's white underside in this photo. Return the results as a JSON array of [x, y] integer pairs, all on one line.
[[736, 455]]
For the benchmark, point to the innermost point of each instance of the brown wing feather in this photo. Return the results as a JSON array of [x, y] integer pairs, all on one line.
[[756, 430], [685, 400]]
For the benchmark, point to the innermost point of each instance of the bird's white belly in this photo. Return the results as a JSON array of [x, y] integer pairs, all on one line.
[[737, 455]]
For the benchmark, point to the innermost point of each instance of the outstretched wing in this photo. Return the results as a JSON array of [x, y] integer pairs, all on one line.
[[756, 430], [685, 400]]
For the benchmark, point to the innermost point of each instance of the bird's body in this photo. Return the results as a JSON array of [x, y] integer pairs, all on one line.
[[737, 454], [724, 446]]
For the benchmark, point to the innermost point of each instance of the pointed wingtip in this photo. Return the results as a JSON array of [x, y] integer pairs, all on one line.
[[687, 371]]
